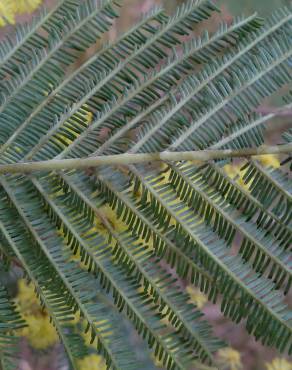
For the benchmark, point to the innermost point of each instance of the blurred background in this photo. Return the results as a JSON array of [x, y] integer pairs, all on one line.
[[40, 348]]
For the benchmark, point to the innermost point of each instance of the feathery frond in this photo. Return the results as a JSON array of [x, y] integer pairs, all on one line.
[[10, 321], [115, 243]]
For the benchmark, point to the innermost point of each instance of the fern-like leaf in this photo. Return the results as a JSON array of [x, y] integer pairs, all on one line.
[[114, 243]]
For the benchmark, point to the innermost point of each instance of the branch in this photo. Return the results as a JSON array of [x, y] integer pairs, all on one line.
[[131, 158], [285, 111]]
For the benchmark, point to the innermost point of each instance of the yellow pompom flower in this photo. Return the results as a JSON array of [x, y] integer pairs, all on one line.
[[26, 298], [7, 12], [89, 116], [269, 160], [231, 170], [26, 6], [40, 332], [196, 296], [279, 364], [100, 228], [234, 172], [10, 8], [229, 358], [92, 362], [111, 217]]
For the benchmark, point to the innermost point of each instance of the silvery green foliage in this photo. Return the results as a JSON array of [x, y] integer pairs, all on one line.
[[157, 87]]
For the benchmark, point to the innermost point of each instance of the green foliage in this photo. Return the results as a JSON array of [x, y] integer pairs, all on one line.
[[262, 6], [10, 321], [155, 88]]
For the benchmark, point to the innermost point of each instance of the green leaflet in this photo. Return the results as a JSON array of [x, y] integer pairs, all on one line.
[[38, 75], [10, 320], [270, 184], [29, 36]]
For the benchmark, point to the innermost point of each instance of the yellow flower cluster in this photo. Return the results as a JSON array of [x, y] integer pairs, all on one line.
[[10, 8], [269, 160], [110, 215], [233, 170], [92, 362], [40, 333], [196, 296], [26, 6], [279, 364], [6, 13], [229, 358]]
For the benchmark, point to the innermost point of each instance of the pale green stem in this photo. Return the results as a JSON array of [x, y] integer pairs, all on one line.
[[131, 158]]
